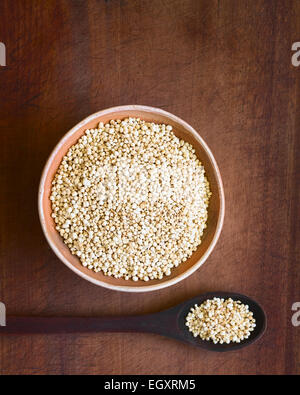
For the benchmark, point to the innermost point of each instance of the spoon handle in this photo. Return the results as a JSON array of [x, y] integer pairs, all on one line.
[[154, 323]]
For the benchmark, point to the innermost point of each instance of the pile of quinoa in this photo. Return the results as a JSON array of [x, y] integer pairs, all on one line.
[[221, 320], [130, 199]]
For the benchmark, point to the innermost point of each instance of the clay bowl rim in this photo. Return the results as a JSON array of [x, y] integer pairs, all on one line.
[[221, 212]]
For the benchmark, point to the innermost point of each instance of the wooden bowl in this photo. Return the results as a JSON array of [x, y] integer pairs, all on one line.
[[215, 211]]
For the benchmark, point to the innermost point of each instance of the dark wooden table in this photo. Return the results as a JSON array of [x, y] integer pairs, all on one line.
[[223, 66]]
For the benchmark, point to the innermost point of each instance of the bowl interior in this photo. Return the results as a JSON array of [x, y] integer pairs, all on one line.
[[182, 130]]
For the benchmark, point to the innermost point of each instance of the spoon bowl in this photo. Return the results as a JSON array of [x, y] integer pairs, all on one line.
[[170, 323], [254, 307]]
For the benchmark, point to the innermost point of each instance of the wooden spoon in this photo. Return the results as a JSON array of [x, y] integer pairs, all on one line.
[[170, 323]]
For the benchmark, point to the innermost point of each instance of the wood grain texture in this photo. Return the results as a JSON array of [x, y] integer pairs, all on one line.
[[224, 67]]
